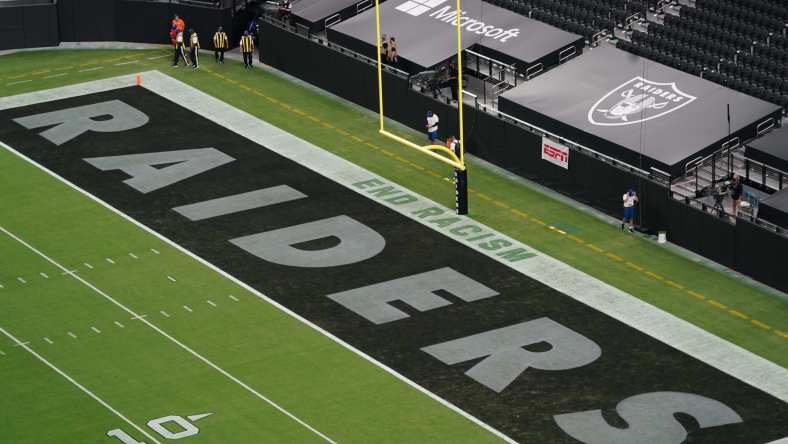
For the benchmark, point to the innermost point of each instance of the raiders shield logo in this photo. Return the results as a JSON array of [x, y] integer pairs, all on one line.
[[637, 100]]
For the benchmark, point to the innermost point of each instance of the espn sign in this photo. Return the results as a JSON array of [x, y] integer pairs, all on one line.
[[555, 153]]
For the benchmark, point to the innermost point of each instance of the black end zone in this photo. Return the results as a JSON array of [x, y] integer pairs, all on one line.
[[630, 364]]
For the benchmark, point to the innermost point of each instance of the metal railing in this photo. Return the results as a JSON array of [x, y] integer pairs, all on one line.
[[572, 144], [654, 174], [495, 68], [566, 54]]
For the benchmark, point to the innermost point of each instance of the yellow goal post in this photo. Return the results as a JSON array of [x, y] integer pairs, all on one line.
[[439, 152]]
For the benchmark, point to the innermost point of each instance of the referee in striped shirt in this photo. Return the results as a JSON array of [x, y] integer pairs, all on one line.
[[247, 46], [219, 45]]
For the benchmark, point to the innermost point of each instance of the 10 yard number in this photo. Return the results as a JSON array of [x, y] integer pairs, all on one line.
[[185, 428]]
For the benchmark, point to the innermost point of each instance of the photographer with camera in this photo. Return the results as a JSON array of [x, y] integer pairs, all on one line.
[[630, 198]]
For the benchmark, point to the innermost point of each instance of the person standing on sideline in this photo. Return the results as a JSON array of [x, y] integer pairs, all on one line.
[[220, 44], [180, 52], [194, 49], [247, 46], [630, 199], [178, 23], [432, 126]]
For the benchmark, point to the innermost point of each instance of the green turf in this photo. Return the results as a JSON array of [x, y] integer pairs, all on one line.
[[145, 375], [374, 406], [734, 294]]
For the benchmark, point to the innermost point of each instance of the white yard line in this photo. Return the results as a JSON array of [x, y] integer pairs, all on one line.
[[167, 335], [78, 385], [18, 82]]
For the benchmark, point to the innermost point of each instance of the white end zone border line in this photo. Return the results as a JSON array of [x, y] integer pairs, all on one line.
[[124, 81], [665, 327], [78, 385], [727, 357]]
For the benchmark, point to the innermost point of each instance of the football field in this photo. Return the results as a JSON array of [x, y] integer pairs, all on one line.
[[177, 269]]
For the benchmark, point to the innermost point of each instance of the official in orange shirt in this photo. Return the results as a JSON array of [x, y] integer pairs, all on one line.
[[178, 23]]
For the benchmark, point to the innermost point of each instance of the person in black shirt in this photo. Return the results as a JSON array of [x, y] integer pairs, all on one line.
[[737, 189], [453, 82]]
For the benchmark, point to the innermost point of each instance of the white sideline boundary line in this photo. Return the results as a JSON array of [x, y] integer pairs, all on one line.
[[716, 352], [281, 307], [166, 335], [78, 385]]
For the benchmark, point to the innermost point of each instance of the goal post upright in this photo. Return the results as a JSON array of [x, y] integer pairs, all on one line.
[[453, 157]]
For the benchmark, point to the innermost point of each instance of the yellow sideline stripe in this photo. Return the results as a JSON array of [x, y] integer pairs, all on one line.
[[523, 216]]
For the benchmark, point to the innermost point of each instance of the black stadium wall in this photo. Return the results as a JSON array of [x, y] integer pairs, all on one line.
[[104, 21], [744, 247], [28, 26]]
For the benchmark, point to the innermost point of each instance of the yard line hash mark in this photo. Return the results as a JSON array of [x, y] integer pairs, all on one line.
[[21, 279], [232, 297], [165, 314], [78, 385], [72, 335], [119, 324], [18, 82], [56, 75], [210, 302], [187, 308], [171, 278], [155, 251], [2, 353], [44, 275], [48, 341], [90, 267], [109, 260], [20, 344], [133, 256], [91, 69], [180, 344], [95, 329]]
